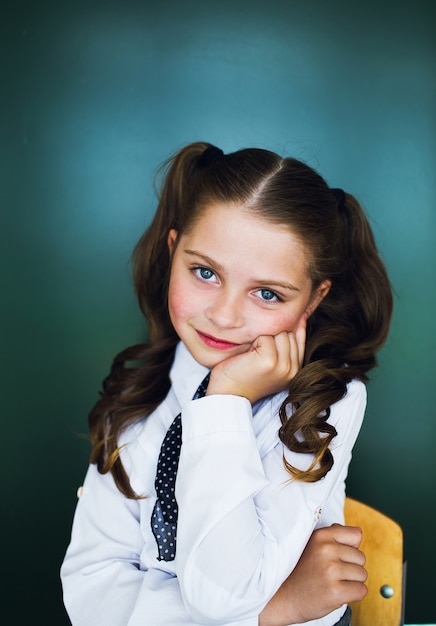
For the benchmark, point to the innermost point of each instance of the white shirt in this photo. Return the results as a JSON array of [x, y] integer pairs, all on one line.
[[242, 524]]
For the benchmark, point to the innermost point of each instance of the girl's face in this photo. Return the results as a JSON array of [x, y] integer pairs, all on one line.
[[235, 277]]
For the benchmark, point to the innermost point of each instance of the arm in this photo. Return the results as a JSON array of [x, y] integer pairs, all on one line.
[[100, 574], [329, 574], [243, 524]]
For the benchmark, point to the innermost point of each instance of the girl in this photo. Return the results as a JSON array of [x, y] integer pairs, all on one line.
[[264, 284]]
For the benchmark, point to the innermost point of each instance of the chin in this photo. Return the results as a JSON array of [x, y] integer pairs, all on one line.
[[206, 360]]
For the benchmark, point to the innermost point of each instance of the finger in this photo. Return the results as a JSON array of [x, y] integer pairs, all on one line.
[[288, 357], [296, 346], [300, 336], [354, 572], [349, 535], [353, 591], [265, 347], [285, 351], [352, 556], [293, 354]]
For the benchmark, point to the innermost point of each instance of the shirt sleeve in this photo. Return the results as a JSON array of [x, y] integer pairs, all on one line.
[[100, 574], [243, 523]]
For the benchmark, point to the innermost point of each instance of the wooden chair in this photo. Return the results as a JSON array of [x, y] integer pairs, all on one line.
[[382, 544]]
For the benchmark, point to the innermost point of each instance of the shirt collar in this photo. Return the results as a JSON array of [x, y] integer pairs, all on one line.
[[186, 374]]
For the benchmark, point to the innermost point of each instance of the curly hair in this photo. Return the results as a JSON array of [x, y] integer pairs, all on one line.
[[343, 334]]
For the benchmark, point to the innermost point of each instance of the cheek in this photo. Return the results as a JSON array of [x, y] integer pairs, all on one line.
[[176, 303], [181, 301], [275, 324]]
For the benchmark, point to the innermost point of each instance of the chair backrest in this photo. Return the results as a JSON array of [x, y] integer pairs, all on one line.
[[382, 544]]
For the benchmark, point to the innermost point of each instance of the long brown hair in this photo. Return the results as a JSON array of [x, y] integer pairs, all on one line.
[[343, 334]]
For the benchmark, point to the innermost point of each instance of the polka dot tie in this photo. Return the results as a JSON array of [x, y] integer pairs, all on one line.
[[165, 511]]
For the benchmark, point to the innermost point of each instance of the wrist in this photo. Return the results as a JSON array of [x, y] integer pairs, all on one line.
[[224, 386], [280, 611]]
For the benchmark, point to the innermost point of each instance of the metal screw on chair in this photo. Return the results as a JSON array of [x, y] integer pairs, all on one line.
[[386, 591]]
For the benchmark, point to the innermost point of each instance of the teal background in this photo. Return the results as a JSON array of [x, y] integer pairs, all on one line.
[[94, 96]]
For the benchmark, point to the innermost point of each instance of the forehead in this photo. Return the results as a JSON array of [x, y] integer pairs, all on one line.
[[233, 233]]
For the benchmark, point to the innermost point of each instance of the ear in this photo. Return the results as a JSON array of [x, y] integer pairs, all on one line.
[[171, 240], [318, 296]]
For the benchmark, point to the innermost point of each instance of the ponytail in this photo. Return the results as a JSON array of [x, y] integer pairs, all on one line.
[[347, 329], [368, 278], [353, 320]]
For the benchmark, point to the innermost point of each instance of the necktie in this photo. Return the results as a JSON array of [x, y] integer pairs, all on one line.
[[165, 511]]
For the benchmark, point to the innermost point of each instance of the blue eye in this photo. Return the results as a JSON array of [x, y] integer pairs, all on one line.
[[204, 273], [268, 295]]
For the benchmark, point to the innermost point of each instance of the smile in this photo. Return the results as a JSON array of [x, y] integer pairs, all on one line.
[[214, 342]]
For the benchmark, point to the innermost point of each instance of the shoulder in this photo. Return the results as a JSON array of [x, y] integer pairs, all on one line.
[[354, 399], [151, 429], [140, 443], [356, 392], [355, 395], [347, 414]]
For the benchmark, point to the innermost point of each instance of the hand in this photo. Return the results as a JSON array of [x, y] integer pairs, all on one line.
[[267, 367], [330, 573]]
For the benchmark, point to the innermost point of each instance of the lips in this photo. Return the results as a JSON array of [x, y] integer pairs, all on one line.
[[214, 342]]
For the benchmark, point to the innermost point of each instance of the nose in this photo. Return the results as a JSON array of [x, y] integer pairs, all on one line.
[[225, 310]]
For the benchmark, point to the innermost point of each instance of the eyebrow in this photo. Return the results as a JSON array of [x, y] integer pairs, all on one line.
[[220, 268]]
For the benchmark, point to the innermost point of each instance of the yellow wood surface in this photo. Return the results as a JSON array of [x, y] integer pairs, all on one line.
[[382, 544]]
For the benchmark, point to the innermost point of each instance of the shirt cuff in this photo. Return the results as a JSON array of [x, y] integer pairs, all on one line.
[[216, 414]]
